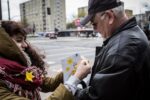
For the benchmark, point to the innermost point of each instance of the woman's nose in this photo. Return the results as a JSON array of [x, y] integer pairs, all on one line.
[[24, 45]]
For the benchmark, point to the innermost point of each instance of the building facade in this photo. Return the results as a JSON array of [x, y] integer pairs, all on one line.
[[129, 13], [82, 11], [143, 19], [44, 15], [148, 19]]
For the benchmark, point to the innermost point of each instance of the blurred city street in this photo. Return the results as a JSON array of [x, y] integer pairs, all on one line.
[[58, 49]]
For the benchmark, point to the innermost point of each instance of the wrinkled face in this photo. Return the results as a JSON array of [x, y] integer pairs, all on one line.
[[20, 41], [102, 23]]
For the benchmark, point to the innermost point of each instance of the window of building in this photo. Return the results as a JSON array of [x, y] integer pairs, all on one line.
[[48, 11]]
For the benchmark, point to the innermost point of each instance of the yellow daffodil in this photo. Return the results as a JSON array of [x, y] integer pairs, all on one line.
[[74, 70], [75, 67], [69, 61], [29, 76], [67, 69]]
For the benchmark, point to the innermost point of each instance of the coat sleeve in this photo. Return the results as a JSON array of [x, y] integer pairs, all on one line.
[[50, 84], [61, 93], [105, 86], [5, 94]]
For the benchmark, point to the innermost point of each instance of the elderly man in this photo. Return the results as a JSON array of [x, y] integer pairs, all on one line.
[[121, 70]]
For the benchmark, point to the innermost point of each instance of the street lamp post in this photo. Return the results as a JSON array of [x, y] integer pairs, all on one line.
[[0, 11], [8, 9]]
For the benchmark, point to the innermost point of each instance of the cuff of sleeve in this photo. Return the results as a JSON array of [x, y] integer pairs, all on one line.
[[73, 81]]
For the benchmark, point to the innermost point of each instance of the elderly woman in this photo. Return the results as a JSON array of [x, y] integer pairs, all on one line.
[[21, 68]]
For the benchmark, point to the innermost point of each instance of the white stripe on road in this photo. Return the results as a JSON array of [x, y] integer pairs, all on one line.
[[67, 48], [49, 40], [39, 41], [58, 70], [50, 62], [69, 53]]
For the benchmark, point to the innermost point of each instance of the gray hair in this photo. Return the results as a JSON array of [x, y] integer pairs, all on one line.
[[119, 11]]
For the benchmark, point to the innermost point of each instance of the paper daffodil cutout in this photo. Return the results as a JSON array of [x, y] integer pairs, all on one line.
[[67, 69], [74, 70], [69, 61], [29, 76]]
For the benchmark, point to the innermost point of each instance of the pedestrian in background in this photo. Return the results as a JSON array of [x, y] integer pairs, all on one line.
[[147, 31]]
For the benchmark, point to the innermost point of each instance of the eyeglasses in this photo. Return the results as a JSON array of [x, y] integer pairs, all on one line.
[[93, 22]]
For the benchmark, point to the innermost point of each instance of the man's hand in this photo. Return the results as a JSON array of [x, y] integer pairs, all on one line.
[[83, 69]]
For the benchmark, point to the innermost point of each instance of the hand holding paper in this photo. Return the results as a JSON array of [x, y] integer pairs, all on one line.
[[83, 69], [69, 65], [75, 65]]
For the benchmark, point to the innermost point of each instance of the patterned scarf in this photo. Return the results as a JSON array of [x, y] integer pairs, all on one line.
[[23, 81]]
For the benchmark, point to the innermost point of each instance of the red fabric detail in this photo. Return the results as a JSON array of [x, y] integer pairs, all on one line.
[[13, 69]]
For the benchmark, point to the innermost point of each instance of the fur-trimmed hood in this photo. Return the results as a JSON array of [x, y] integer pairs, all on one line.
[[9, 50]]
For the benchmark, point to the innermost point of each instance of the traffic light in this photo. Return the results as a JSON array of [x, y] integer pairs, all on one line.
[[48, 11]]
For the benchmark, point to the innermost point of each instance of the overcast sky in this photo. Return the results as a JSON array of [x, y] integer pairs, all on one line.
[[71, 7]]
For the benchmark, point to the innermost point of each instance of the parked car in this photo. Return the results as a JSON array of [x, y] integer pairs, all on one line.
[[53, 35], [47, 34], [41, 34]]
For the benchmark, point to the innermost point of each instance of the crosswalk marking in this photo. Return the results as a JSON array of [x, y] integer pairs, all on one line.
[[56, 50], [50, 62], [69, 53]]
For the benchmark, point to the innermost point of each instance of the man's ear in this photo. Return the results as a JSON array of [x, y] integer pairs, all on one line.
[[111, 16]]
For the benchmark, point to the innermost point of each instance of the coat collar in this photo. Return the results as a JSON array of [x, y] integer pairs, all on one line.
[[127, 25]]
